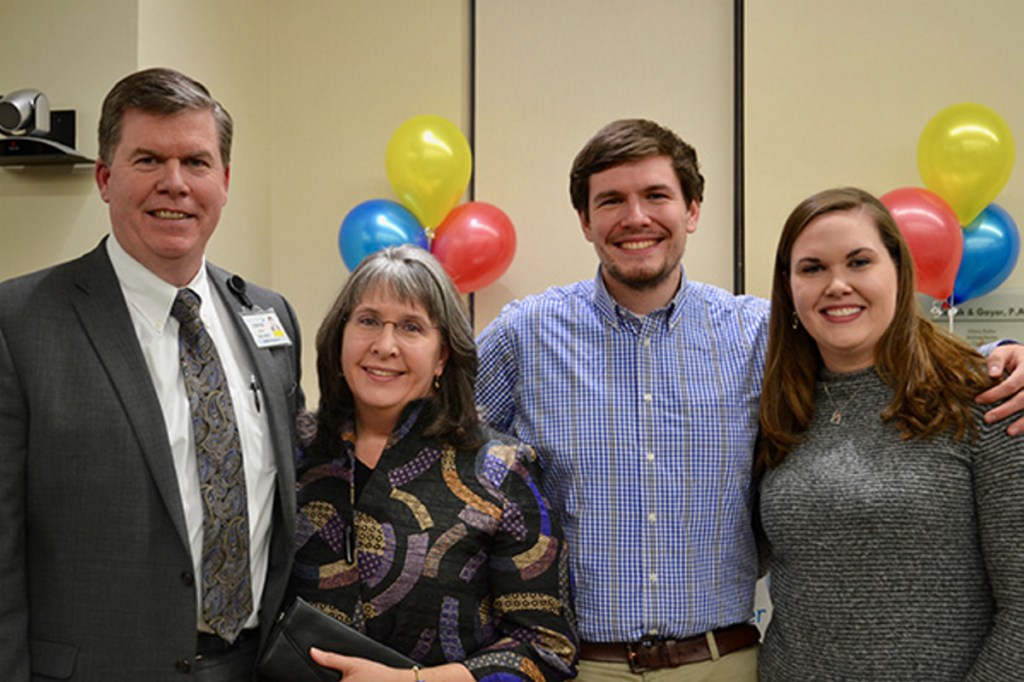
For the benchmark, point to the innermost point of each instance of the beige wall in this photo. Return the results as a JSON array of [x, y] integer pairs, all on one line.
[[346, 75], [227, 50], [550, 74], [52, 214], [839, 92], [315, 88]]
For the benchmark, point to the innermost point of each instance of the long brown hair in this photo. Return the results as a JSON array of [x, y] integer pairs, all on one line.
[[933, 374]]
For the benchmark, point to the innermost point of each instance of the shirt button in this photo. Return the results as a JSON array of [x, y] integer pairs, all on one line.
[[647, 343], [654, 577], [652, 517], [650, 456], [648, 397]]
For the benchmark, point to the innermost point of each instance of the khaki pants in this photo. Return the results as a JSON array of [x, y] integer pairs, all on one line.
[[739, 666]]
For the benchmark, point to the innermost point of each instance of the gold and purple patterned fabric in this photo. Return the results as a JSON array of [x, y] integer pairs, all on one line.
[[457, 556], [227, 590]]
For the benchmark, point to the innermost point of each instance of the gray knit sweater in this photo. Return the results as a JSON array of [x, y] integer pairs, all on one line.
[[892, 559]]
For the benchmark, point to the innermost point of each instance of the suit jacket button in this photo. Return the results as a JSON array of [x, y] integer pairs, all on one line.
[[183, 665], [187, 578]]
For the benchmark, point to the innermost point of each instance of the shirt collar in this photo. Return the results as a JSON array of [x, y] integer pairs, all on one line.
[[149, 295], [618, 314]]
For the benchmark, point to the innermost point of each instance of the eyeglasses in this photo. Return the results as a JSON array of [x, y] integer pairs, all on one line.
[[409, 330]]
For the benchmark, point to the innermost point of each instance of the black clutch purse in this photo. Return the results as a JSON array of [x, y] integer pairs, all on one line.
[[286, 656]]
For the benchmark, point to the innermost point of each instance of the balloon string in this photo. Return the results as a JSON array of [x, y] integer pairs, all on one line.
[[944, 307]]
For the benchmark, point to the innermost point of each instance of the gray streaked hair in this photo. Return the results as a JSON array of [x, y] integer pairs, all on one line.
[[413, 276]]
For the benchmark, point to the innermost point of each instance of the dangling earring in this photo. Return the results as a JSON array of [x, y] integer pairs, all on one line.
[[437, 382], [796, 322]]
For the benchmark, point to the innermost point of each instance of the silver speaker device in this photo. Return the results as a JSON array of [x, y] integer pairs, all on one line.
[[25, 112]]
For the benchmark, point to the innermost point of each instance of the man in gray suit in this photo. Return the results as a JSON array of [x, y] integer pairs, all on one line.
[[104, 499]]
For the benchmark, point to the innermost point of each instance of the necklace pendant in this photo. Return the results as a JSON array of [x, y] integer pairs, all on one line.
[[837, 417], [349, 539]]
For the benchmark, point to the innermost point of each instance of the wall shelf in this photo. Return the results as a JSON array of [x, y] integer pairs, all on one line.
[[55, 149]]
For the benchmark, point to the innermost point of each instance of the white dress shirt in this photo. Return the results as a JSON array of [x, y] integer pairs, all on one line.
[[149, 301]]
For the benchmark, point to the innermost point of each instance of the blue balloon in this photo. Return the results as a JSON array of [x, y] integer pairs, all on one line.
[[991, 248], [375, 224]]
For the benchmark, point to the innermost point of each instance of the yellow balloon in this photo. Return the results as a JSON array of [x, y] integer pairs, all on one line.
[[965, 155], [428, 164]]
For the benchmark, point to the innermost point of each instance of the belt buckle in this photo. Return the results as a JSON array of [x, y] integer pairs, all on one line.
[[632, 655]]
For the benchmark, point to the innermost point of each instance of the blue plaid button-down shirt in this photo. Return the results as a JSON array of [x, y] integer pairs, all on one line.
[[645, 427]]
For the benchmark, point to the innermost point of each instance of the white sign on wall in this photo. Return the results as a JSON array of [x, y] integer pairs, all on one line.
[[999, 315]]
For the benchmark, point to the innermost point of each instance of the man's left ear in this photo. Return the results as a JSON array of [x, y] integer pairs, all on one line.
[[693, 218], [585, 226], [101, 172]]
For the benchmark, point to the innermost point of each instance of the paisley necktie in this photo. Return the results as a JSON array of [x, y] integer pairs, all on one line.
[[227, 589]]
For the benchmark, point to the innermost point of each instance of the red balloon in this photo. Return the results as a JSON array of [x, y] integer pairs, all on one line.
[[475, 243], [932, 231]]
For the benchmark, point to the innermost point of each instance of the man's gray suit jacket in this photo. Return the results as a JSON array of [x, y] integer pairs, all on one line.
[[96, 579]]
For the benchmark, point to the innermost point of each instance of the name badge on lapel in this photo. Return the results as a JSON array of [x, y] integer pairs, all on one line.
[[265, 329]]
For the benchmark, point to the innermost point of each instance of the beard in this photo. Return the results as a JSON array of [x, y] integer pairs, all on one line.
[[641, 280]]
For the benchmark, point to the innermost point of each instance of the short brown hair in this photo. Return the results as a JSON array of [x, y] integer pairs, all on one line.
[[628, 140], [159, 91]]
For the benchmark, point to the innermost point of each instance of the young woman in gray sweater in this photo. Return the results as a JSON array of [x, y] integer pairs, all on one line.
[[893, 515]]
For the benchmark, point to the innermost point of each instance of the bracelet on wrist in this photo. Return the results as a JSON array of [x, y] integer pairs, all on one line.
[[417, 673]]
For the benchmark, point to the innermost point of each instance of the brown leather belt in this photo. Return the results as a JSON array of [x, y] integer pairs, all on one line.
[[651, 654]]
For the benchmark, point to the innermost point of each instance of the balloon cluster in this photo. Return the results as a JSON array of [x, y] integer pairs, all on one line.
[[429, 164], [963, 245]]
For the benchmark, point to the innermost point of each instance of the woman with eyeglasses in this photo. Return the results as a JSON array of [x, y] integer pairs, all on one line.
[[416, 524]]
